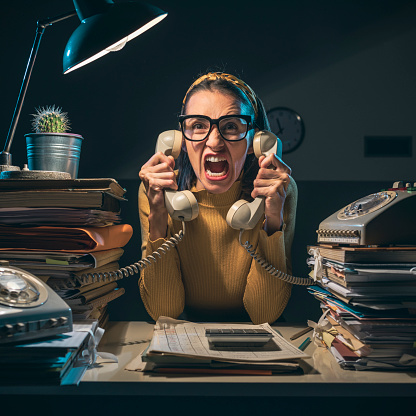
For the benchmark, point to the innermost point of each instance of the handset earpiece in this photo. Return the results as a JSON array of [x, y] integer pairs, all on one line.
[[169, 143], [245, 215], [265, 143], [181, 205]]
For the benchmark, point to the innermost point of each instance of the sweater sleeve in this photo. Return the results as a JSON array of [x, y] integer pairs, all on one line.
[[161, 286], [266, 296]]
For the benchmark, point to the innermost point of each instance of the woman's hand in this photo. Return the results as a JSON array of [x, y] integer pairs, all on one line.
[[271, 182], [157, 174]]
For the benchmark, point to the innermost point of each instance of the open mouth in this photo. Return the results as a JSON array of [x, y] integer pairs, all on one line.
[[216, 166]]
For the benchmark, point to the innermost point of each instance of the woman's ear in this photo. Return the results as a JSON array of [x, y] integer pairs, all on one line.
[[183, 146], [250, 148]]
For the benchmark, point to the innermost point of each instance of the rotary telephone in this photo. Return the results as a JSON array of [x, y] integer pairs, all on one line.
[[182, 206]]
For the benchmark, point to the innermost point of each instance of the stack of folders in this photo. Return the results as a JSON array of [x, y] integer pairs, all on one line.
[[368, 296], [60, 230], [182, 347], [58, 360]]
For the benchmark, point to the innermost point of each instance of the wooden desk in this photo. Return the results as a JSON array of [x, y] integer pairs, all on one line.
[[110, 387]]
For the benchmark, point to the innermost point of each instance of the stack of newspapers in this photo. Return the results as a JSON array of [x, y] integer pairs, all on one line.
[[66, 232], [183, 347], [368, 297]]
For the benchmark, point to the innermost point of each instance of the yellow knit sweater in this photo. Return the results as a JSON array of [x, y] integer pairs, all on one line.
[[209, 270]]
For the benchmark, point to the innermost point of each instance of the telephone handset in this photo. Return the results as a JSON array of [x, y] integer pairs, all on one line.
[[183, 206], [244, 215]]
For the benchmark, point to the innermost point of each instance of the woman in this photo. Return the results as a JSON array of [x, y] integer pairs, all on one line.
[[208, 274]]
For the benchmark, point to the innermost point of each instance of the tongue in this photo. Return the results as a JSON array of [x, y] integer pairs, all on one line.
[[216, 167]]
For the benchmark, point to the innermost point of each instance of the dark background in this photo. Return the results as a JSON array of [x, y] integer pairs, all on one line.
[[348, 67]]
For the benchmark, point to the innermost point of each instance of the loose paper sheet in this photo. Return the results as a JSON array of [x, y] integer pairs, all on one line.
[[174, 337]]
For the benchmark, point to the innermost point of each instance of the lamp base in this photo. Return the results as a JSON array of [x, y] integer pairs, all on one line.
[[4, 168], [34, 174]]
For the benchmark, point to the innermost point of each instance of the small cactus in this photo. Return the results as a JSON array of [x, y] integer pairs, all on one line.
[[50, 119]]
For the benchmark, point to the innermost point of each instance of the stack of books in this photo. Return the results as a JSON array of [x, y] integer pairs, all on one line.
[[66, 232], [368, 296]]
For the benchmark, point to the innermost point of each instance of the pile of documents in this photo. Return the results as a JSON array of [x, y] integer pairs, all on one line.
[[66, 232], [368, 296], [182, 347], [58, 360]]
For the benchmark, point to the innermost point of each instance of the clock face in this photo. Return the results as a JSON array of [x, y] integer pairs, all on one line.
[[288, 126]]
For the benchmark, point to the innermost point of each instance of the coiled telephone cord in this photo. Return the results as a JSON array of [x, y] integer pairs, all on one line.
[[302, 281], [134, 268]]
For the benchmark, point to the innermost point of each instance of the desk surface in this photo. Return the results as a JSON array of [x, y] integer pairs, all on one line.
[[322, 375]]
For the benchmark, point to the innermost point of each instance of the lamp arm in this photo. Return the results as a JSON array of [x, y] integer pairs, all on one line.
[[5, 156]]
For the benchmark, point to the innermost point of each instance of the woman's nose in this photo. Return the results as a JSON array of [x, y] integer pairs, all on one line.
[[214, 139]]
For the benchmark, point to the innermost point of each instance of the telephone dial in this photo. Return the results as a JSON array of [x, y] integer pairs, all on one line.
[[382, 218], [182, 206], [29, 309]]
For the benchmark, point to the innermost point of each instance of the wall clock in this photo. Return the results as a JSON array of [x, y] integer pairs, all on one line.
[[288, 126]]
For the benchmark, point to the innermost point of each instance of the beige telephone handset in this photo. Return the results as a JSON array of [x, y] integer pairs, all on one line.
[[245, 215], [181, 205]]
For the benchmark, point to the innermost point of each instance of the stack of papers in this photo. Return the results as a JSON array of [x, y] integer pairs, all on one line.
[[70, 239], [69, 217], [66, 233], [369, 305], [182, 347], [91, 301], [58, 360]]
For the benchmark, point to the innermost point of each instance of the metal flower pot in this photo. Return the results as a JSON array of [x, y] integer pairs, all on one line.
[[59, 152]]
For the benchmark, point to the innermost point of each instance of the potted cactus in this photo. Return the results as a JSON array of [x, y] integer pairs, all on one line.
[[51, 147], [50, 119]]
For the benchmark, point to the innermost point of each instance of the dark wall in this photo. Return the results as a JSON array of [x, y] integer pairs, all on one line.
[[121, 102]]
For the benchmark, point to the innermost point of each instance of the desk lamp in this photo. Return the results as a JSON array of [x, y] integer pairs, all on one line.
[[105, 27]]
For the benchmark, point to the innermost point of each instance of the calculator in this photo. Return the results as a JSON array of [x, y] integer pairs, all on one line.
[[255, 337]]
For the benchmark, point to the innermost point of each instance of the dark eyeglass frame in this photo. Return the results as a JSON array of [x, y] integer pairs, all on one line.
[[216, 122]]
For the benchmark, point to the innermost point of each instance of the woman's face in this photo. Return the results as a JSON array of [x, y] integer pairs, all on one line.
[[217, 163]]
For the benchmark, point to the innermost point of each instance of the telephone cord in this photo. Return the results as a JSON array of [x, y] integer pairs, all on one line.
[[137, 267], [302, 281]]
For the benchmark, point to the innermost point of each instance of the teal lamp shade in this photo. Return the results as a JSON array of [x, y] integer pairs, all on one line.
[[106, 27]]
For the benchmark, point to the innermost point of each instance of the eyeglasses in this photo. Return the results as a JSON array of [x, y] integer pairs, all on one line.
[[231, 127]]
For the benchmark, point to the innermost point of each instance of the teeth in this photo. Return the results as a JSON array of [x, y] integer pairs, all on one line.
[[215, 173], [215, 159]]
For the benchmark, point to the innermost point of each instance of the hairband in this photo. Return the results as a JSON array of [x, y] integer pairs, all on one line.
[[213, 76]]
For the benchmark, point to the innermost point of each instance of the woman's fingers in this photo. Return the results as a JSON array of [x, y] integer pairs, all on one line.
[[158, 172], [272, 179]]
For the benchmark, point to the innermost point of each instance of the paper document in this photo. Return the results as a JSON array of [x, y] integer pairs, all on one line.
[[182, 338]]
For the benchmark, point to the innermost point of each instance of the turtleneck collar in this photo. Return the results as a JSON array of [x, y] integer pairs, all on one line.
[[227, 198]]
